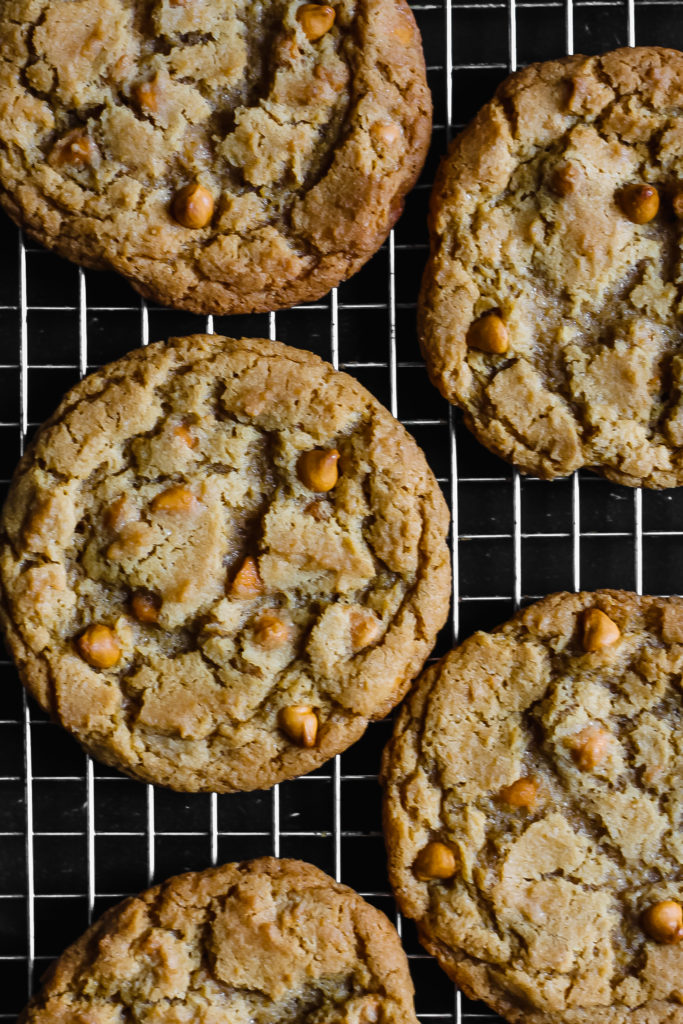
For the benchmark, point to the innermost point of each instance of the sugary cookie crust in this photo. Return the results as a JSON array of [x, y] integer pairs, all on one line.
[[543, 917], [527, 221], [161, 475], [307, 147], [261, 942]]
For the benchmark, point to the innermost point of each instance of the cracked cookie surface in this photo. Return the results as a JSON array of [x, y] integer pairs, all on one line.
[[530, 220], [301, 146], [178, 597], [533, 807], [261, 942]]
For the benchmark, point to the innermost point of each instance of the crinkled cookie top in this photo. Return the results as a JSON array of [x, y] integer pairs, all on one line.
[[225, 157], [558, 211], [219, 560], [262, 942], [533, 808]]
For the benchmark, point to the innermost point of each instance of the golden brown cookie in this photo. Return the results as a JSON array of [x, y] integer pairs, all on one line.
[[219, 560], [223, 157], [533, 807], [551, 304], [265, 942]]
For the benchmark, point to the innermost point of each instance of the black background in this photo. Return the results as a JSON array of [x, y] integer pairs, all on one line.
[[75, 838]]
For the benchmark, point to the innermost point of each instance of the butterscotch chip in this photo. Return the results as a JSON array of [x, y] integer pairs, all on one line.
[[147, 96], [598, 630], [146, 606], [175, 499], [99, 647], [533, 213], [231, 168], [247, 582], [489, 334], [640, 203], [277, 934], [435, 861], [677, 203], [119, 513], [315, 20], [387, 133], [564, 886], [228, 596], [300, 723], [271, 630], [319, 509], [193, 206], [365, 629], [75, 149], [184, 434], [522, 793], [663, 922], [566, 179], [318, 470], [590, 747]]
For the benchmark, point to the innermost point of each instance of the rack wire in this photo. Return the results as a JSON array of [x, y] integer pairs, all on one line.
[[76, 837]]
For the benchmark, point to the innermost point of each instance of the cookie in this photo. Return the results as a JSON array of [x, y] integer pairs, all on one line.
[[533, 804], [225, 158], [261, 942], [550, 306], [219, 560]]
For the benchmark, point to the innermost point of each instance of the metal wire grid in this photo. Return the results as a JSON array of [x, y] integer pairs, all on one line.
[[519, 539]]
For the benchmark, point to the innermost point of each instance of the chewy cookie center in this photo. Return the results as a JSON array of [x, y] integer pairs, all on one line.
[[214, 116], [226, 570]]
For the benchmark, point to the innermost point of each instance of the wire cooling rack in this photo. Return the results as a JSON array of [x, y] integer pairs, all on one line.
[[76, 837]]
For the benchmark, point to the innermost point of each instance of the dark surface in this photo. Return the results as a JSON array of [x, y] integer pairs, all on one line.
[[96, 851]]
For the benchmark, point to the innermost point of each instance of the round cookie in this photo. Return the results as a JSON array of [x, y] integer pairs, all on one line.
[[223, 157], [550, 305], [261, 942], [533, 806], [219, 560]]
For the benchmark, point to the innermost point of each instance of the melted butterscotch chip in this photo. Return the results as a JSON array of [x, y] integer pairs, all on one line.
[[365, 629], [146, 606], [271, 630], [175, 499], [76, 149], [387, 133], [147, 95], [522, 793], [184, 434], [119, 513], [590, 747], [566, 179]]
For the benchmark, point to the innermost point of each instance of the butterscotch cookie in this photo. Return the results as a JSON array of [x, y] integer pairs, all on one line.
[[265, 942], [550, 307], [219, 560], [224, 157], [533, 804]]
